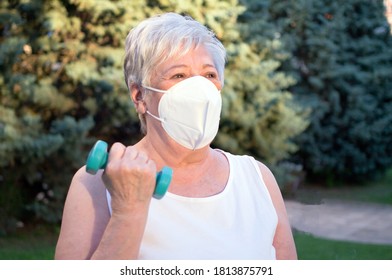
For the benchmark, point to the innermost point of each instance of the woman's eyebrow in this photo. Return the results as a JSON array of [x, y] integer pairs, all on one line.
[[173, 67], [208, 65], [180, 66]]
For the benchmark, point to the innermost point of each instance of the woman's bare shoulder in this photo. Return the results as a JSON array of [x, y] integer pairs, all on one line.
[[85, 216]]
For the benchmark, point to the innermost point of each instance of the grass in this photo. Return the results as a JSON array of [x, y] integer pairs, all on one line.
[[314, 248], [30, 243]]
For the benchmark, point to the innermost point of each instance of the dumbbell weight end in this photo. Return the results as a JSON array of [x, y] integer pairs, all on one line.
[[97, 159]]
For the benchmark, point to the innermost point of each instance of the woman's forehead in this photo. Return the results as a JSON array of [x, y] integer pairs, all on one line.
[[197, 57]]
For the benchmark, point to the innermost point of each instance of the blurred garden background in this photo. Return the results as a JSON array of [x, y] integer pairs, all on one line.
[[308, 91]]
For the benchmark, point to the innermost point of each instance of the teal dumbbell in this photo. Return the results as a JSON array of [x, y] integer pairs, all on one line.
[[98, 157]]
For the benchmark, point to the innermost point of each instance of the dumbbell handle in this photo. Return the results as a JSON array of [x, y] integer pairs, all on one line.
[[98, 157]]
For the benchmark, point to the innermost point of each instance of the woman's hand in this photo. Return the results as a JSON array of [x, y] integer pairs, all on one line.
[[130, 178]]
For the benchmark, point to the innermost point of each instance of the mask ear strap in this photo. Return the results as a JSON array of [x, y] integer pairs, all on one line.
[[154, 89], [155, 117]]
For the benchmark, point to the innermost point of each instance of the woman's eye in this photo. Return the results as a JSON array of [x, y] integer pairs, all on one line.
[[211, 76], [178, 76]]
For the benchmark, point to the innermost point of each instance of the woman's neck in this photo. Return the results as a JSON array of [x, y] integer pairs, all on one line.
[[191, 169], [172, 154]]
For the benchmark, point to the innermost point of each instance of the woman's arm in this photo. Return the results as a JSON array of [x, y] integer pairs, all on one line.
[[85, 217], [283, 241], [88, 231]]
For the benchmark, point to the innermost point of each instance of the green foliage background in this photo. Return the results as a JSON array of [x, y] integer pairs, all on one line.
[[342, 61], [62, 87]]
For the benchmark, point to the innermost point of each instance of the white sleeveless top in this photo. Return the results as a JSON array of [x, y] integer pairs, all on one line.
[[238, 223]]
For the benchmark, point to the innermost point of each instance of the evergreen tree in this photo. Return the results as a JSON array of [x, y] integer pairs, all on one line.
[[342, 59]]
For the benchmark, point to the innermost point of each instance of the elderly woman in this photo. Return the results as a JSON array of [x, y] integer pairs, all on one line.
[[219, 205]]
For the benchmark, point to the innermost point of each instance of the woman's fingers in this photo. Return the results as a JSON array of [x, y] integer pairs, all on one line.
[[131, 153], [116, 151], [129, 176]]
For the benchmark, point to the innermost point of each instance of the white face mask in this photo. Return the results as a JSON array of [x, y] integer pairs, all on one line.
[[190, 112]]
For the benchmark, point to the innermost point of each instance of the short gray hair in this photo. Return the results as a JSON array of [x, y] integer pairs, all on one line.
[[165, 36], [162, 37]]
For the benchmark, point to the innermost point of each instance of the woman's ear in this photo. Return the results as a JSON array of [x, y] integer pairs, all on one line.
[[137, 99]]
